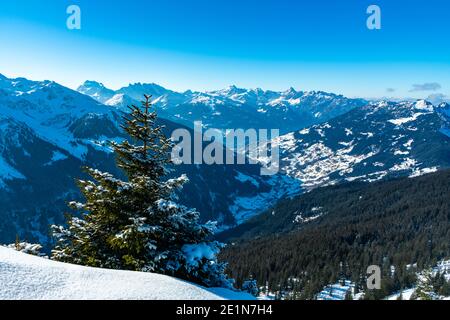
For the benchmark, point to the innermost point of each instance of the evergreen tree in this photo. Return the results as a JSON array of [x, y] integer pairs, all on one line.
[[445, 289], [424, 289], [348, 295], [136, 224], [25, 247]]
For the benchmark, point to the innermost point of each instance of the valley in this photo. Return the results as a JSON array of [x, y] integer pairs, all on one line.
[[353, 183], [390, 223]]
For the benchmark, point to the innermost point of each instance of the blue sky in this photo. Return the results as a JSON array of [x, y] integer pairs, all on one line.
[[209, 44]]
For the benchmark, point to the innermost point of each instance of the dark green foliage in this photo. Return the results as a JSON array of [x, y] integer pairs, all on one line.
[[395, 222], [251, 286], [348, 296], [440, 285], [135, 224]]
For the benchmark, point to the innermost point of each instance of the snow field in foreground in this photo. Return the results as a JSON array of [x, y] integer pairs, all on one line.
[[28, 277]]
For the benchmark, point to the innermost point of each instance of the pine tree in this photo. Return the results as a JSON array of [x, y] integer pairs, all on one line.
[[348, 295], [251, 286], [17, 243], [25, 247], [424, 289], [136, 224]]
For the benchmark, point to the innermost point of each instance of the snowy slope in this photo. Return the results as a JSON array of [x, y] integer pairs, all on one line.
[[57, 114], [24, 276], [289, 110], [336, 291], [49, 132], [370, 143], [442, 267]]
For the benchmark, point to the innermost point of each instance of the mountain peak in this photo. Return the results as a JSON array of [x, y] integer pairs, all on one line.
[[232, 89], [91, 83], [140, 84], [291, 90], [423, 105], [96, 90], [136, 90]]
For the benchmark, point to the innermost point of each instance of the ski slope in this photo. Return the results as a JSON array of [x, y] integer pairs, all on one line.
[[24, 276]]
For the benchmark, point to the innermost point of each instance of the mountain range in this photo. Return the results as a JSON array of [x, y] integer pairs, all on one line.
[[232, 107], [379, 140], [49, 132]]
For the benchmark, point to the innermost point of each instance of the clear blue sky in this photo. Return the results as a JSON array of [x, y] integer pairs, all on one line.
[[209, 44]]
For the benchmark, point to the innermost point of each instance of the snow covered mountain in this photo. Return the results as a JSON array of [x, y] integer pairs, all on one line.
[[57, 114], [26, 277], [383, 139], [289, 110], [48, 132]]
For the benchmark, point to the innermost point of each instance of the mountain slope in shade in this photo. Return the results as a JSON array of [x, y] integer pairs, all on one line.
[[369, 143], [289, 110], [48, 133], [396, 222], [32, 278]]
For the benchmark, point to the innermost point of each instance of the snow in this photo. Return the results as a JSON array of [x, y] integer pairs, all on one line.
[[300, 219], [261, 110], [286, 142], [368, 134], [32, 278], [7, 172], [244, 178], [304, 131], [399, 152], [441, 267], [194, 253], [57, 156], [408, 144], [420, 172], [244, 208], [314, 164], [336, 291], [401, 121], [423, 105], [117, 100], [407, 164], [406, 294], [49, 110], [445, 131]]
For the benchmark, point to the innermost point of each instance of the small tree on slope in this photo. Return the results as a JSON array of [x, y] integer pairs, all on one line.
[[135, 224]]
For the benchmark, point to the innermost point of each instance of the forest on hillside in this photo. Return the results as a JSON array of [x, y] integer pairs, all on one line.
[[393, 224]]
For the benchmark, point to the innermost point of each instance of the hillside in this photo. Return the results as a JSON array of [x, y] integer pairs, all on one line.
[[23, 276], [377, 141], [396, 222], [49, 132], [256, 108]]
